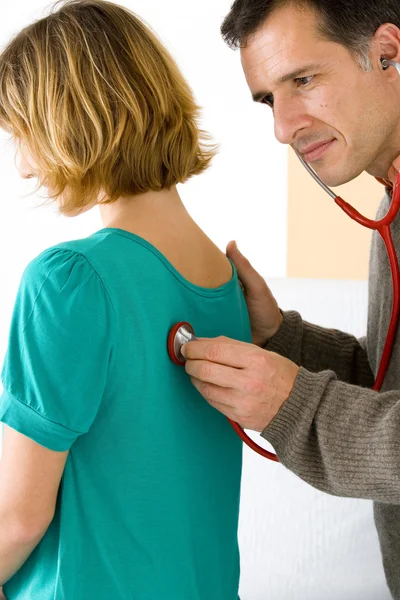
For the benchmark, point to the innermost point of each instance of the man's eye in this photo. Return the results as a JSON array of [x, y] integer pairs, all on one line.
[[303, 81], [268, 100]]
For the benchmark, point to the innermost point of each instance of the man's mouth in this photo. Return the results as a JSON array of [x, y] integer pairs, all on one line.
[[316, 151]]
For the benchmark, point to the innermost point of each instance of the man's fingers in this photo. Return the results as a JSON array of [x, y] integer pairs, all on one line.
[[223, 351], [218, 397], [219, 375], [225, 401]]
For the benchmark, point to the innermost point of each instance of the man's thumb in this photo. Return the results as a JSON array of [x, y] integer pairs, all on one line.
[[233, 252], [247, 274]]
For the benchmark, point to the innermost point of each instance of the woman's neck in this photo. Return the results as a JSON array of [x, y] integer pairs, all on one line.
[[151, 210]]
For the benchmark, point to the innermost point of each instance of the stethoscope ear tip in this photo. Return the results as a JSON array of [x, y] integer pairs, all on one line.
[[386, 63]]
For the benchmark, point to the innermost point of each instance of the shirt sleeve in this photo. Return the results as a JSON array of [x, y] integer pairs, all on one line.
[[60, 349]]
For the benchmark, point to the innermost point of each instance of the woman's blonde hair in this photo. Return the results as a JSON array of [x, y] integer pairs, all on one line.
[[100, 105]]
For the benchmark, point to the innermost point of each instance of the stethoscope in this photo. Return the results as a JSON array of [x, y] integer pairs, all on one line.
[[183, 332]]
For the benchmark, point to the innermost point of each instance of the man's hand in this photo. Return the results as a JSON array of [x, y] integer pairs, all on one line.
[[265, 316], [242, 381]]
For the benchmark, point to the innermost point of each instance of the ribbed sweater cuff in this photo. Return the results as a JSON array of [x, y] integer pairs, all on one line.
[[287, 340], [297, 413]]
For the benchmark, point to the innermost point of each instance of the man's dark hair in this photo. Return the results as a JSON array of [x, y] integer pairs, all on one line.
[[351, 23]]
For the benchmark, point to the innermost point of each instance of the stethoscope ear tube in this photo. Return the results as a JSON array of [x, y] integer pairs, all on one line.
[[180, 334], [383, 228]]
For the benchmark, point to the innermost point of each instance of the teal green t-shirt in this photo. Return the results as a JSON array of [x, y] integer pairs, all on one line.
[[148, 504]]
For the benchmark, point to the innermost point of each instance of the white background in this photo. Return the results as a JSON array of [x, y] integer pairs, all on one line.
[[297, 544]]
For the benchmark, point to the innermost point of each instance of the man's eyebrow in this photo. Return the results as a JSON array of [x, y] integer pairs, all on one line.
[[288, 77]]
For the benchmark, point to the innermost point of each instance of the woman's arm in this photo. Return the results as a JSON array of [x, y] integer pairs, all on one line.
[[30, 476]]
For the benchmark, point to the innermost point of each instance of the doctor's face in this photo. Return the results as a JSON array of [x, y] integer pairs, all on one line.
[[341, 119]]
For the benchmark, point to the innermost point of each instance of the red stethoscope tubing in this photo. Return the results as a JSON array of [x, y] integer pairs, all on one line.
[[383, 228], [251, 443]]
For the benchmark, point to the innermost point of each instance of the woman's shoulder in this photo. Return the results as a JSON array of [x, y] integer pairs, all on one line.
[[62, 266]]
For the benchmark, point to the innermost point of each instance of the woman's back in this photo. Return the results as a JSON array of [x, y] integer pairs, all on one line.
[[148, 505]]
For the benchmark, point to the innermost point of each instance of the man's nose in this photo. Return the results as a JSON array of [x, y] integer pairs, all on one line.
[[289, 119]]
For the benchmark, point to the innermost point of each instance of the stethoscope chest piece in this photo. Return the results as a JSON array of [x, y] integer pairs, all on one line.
[[180, 334]]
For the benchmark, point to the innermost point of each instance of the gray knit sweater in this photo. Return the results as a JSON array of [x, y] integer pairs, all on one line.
[[334, 431]]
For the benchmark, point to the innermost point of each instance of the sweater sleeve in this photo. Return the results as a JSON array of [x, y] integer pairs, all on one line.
[[318, 349], [340, 438]]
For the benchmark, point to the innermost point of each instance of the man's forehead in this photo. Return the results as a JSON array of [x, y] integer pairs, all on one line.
[[263, 53], [274, 64], [287, 35]]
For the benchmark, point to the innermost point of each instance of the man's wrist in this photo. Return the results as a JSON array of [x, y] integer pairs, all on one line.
[[275, 330], [271, 334]]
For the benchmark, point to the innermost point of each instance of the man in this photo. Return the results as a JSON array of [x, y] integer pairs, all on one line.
[[317, 64]]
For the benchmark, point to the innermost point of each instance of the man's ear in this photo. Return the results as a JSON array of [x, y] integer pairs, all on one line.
[[387, 41]]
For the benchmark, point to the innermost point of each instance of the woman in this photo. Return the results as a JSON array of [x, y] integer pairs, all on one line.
[[117, 480]]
